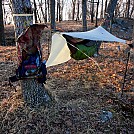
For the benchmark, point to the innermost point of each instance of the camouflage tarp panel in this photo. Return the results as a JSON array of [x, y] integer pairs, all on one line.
[[29, 40]]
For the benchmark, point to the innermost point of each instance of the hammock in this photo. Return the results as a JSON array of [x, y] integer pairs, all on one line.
[[80, 49]]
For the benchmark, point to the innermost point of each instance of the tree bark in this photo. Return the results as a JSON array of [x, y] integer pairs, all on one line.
[[84, 14], [2, 36], [45, 11], [105, 8], [58, 4], [35, 11], [109, 15], [48, 10], [33, 92], [92, 11], [101, 14], [110, 9], [42, 11], [127, 8], [96, 19], [52, 6], [78, 10], [73, 11]]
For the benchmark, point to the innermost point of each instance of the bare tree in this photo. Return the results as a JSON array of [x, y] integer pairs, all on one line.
[[84, 13], [127, 9], [92, 11], [78, 10], [97, 8], [110, 9], [2, 36], [35, 11], [73, 10], [48, 10], [101, 14], [132, 10], [117, 9], [52, 6], [60, 5], [45, 10], [105, 6], [109, 13], [58, 10]]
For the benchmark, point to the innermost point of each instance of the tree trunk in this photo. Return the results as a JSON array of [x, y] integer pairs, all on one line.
[[97, 14], [33, 92], [105, 8], [61, 10], [73, 12], [84, 14], [58, 4], [42, 11], [35, 11], [109, 14], [132, 10], [48, 10], [92, 11], [127, 8], [101, 14], [45, 11], [52, 6], [2, 36], [78, 10], [110, 9]]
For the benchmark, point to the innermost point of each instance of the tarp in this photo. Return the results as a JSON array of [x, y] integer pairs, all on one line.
[[29, 40], [60, 52]]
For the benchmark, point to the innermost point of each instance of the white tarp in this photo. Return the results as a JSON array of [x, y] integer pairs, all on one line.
[[60, 52], [97, 34]]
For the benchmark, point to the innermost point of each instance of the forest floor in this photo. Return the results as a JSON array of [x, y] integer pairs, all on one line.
[[82, 92]]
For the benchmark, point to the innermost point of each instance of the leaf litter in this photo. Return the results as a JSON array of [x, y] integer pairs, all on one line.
[[80, 91]]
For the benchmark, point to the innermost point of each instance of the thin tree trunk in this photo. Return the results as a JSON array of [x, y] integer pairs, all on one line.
[[2, 36], [48, 10], [52, 6], [109, 14], [78, 10], [97, 14], [132, 10], [73, 12], [38, 16], [105, 8], [92, 11], [57, 18], [45, 11], [84, 14], [101, 14], [61, 10], [33, 92], [128, 8], [35, 13], [110, 9]]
